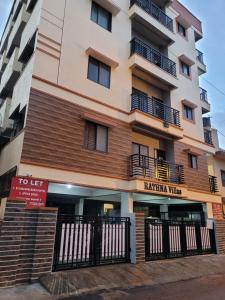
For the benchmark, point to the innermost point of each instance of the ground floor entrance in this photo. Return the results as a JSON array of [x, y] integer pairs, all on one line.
[[83, 241], [94, 226]]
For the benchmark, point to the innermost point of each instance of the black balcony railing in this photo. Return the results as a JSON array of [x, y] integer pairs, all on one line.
[[153, 10], [208, 137], [156, 108], [203, 95], [206, 122], [213, 184], [145, 166], [152, 55], [199, 56]]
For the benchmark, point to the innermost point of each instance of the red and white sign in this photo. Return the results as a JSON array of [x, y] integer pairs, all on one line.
[[32, 190]]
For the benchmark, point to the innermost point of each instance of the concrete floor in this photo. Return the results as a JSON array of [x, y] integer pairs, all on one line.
[[204, 288], [25, 292]]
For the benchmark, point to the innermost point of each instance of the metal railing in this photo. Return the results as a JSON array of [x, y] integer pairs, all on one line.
[[208, 137], [152, 55], [199, 56], [156, 108], [203, 95], [213, 184], [169, 239], [145, 166], [83, 241], [206, 122], [153, 10]]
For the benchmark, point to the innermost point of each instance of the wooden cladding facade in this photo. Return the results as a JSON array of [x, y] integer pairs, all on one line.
[[194, 178], [54, 137]]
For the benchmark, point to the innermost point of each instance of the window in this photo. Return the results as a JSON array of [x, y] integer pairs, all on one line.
[[192, 161], [140, 149], [101, 16], [96, 137], [223, 177], [188, 113], [99, 72], [185, 69], [181, 29]]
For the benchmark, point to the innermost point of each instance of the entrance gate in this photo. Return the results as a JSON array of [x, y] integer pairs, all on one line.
[[172, 239], [83, 241]]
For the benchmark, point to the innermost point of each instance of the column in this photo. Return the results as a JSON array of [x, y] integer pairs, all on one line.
[[79, 207], [126, 204], [165, 212]]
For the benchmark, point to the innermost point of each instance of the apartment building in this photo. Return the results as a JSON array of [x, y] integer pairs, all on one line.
[[102, 100]]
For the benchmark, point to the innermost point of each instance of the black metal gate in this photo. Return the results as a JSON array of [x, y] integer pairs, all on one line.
[[84, 241], [172, 239]]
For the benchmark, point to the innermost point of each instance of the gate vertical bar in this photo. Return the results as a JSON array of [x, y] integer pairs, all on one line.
[[198, 237], [183, 238], [165, 237]]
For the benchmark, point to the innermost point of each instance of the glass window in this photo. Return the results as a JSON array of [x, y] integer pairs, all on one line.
[[101, 16], [96, 137], [181, 29], [185, 69], [93, 69], [188, 112], [99, 72], [223, 177], [193, 161]]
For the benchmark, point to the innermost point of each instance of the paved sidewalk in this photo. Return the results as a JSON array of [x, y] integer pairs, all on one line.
[[127, 276], [25, 292], [204, 288]]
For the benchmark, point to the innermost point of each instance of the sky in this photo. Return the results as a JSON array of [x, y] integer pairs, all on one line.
[[211, 13]]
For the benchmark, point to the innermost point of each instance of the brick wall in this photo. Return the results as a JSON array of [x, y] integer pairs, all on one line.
[[194, 178], [140, 237], [220, 236], [217, 211], [26, 243]]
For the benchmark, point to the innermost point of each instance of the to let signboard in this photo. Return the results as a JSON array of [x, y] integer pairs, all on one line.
[[32, 190]]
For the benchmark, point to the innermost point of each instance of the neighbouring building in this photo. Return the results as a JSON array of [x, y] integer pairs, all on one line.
[[102, 99]]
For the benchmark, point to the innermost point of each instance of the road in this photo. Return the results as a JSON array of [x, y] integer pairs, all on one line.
[[205, 288]]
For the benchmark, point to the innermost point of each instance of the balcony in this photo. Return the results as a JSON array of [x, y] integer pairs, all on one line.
[[30, 30], [155, 108], [148, 60], [153, 10], [15, 35], [148, 167], [10, 75], [5, 137], [200, 62], [3, 62], [213, 184], [208, 137], [207, 122], [203, 95], [204, 101]]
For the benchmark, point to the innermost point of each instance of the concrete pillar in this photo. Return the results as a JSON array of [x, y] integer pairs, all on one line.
[[165, 212], [126, 204], [79, 207]]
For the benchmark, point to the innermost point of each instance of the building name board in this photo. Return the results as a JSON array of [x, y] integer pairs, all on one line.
[[33, 191], [162, 188]]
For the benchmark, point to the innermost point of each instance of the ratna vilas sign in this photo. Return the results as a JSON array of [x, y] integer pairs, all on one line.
[[162, 188]]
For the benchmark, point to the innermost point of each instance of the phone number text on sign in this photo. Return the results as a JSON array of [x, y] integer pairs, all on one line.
[[32, 190]]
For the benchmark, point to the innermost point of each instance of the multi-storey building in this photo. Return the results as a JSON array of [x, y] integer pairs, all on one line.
[[102, 99]]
